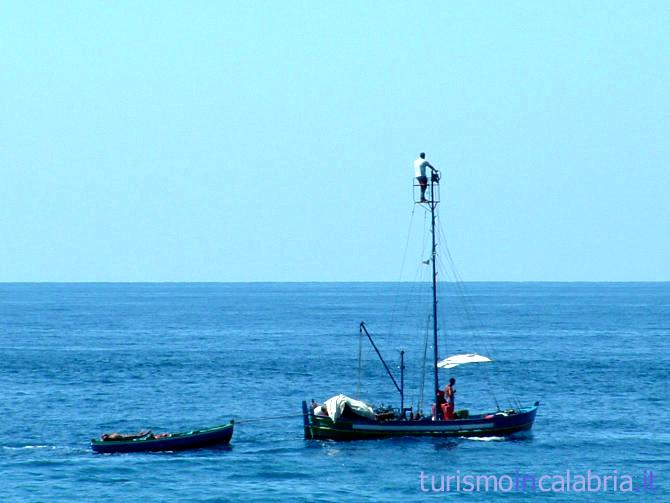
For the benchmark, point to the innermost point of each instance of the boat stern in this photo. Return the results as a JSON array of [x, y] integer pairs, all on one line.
[[306, 421]]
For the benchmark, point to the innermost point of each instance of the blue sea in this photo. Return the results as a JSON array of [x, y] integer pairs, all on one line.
[[77, 360]]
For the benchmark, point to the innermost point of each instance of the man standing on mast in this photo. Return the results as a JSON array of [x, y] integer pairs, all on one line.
[[420, 165]]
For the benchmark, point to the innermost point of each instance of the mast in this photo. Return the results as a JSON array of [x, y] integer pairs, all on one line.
[[434, 180]]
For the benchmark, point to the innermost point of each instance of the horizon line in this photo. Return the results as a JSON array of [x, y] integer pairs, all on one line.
[[314, 282]]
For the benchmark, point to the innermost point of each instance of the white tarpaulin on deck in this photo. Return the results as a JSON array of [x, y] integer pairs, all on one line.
[[335, 407], [454, 361]]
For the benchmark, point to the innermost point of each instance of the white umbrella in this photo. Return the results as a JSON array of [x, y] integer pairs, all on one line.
[[454, 361]]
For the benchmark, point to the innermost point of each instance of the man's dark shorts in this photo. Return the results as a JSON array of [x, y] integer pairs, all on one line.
[[423, 181]]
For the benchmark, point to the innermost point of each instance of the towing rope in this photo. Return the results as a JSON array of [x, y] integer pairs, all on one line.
[[269, 418]]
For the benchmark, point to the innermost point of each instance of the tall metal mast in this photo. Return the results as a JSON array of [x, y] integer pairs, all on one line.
[[434, 180]]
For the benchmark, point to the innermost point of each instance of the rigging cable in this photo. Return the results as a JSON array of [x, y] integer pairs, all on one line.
[[474, 320], [418, 273], [402, 269], [459, 294], [360, 364]]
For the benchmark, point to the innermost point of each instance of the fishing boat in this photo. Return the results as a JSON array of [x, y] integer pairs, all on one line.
[[344, 418], [209, 437]]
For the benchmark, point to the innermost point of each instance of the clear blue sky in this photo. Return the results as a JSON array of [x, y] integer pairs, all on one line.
[[273, 141]]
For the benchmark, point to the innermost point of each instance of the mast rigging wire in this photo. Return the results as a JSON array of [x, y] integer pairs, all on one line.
[[474, 320]]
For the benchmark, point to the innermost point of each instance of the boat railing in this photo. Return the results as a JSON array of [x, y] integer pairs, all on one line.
[[432, 193]]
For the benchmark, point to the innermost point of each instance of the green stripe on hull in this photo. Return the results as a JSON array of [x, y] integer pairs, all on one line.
[[325, 433]]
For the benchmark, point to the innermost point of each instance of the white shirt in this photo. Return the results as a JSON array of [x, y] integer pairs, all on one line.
[[420, 167]]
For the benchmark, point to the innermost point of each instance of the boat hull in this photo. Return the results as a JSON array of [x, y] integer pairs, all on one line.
[[485, 425], [218, 435]]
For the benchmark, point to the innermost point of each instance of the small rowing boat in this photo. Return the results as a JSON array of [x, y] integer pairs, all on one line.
[[217, 435]]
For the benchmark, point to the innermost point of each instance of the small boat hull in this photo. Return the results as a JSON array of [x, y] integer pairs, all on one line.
[[483, 425], [218, 435]]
